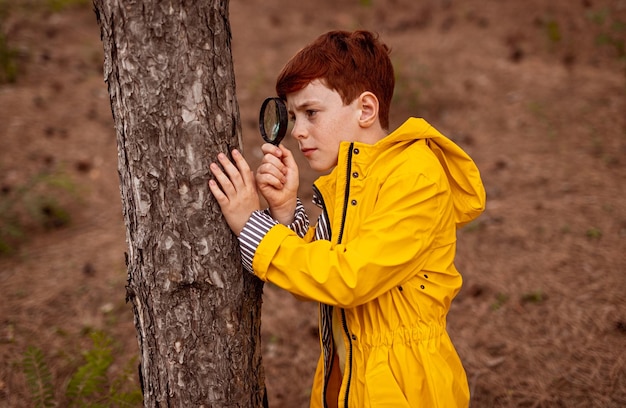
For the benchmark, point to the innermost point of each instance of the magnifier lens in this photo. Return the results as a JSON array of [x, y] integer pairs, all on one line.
[[273, 120]]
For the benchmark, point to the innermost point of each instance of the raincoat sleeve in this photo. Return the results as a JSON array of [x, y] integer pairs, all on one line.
[[390, 245]]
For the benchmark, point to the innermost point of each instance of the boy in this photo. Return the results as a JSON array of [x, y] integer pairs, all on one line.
[[380, 260]]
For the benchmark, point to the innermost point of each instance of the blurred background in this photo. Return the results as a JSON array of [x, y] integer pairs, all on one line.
[[534, 91]]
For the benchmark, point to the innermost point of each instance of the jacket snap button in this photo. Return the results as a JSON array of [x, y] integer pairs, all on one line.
[[353, 202], [422, 286], [354, 337], [355, 174], [356, 151]]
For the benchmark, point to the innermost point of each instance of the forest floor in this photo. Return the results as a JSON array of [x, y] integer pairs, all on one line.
[[535, 92]]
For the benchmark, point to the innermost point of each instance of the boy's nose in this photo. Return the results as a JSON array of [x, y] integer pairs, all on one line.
[[298, 132]]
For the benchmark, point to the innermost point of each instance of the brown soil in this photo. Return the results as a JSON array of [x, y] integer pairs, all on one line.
[[535, 91]]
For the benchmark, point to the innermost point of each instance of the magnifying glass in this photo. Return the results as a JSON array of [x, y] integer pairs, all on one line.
[[273, 120]]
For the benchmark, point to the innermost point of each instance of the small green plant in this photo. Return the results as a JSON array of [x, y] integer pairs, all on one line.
[[38, 378], [91, 376], [34, 203], [553, 31], [613, 31], [8, 55], [598, 17], [594, 233], [539, 111], [8, 60], [501, 299], [410, 81], [475, 225], [60, 5], [90, 385], [536, 296], [613, 41]]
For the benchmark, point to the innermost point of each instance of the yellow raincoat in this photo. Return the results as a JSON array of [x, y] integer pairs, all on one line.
[[387, 273]]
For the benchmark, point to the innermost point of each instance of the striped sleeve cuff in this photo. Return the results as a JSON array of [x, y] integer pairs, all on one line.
[[258, 226], [300, 224], [251, 235]]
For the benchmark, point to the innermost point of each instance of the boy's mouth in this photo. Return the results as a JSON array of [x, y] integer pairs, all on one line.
[[307, 151]]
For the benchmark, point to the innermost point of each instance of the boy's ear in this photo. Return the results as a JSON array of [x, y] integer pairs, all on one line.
[[368, 107]]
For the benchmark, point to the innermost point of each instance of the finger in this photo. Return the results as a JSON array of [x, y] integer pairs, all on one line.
[[233, 172], [244, 168], [270, 169], [219, 195], [223, 180], [269, 148], [271, 162], [265, 179], [288, 158]]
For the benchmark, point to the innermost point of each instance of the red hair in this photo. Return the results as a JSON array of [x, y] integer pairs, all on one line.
[[347, 62]]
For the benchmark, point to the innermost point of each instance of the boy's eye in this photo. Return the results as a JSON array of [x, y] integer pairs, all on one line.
[[311, 112]]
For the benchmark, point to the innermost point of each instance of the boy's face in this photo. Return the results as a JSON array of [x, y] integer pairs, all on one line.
[[321, 122]]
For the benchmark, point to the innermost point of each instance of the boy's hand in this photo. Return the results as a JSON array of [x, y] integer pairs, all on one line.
[[277, 178], [236, 193]]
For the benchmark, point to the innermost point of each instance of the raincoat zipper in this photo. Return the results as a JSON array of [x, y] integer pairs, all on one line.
[[339, 238], [345, 329], [344, 323], [346, 194], [319, 196]]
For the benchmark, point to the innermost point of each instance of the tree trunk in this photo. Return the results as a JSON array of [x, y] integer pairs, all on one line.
[[170, 76]]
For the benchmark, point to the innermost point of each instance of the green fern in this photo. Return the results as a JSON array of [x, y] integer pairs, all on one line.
[[90, 385], [8, 54], [38, 378], [90, 378], [123, 399], [60, 5]]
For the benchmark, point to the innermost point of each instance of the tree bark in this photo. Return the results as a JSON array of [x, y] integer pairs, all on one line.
[[169, 70]]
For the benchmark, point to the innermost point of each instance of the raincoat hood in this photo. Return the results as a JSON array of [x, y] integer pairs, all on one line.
[[468, 192]]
